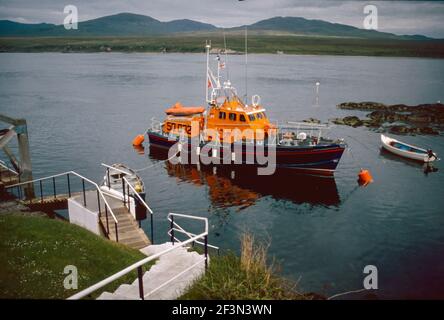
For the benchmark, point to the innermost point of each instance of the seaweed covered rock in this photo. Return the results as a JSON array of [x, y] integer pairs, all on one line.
[[419, 119], [368, 105]]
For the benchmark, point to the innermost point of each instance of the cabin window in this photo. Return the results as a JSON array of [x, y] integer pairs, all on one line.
[[265, 116], [259, 115], [251, 117], [242, 118], [232, 116], [222, 115]]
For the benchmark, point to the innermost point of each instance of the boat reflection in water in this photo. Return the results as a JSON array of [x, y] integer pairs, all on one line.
[[239, 185]]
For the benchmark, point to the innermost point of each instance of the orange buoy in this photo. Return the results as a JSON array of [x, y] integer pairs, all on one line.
[[364, 177], [138, 140]]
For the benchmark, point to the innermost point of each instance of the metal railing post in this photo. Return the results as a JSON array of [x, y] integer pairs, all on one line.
[[84, 195], [107, 223], [152, 229], [124, 192], [127, 192], [140, 276], [41, 191], [172, 229], [54, 187], [206, 251], [98, 202], [107, 175], [69, 186], [117, 232]]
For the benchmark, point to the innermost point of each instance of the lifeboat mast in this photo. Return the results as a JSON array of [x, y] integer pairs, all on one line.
[[213, 88]]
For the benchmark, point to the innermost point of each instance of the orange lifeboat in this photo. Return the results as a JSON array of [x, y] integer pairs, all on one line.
[[179, 110]]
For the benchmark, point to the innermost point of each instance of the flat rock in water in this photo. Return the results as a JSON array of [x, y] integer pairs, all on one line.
[[419, 119]]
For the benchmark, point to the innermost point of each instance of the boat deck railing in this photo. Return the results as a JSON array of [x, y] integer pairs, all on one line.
[[138, 265], [312, 129], [57, 195]]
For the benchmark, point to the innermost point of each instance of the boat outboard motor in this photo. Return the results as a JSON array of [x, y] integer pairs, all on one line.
[[431, 154]]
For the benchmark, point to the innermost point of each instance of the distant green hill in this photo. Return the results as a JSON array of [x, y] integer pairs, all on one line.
[[319, 27], [122, 24], [133, 25]]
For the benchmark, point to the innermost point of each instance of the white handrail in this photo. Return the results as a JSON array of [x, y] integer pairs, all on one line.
[[190, 217], [116, 169], [182, 230], [4, 165], [189, 234], [138, 196], [76, 174], [132, 267]]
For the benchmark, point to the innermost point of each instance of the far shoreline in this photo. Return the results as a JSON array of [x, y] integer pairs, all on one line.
[[250, 53], [276, 45]]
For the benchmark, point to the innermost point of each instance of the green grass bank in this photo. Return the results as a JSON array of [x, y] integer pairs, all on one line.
[[34, 251]]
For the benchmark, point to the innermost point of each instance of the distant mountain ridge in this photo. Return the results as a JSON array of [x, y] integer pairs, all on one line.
[[122, 24], [130, 24], [321, 27]]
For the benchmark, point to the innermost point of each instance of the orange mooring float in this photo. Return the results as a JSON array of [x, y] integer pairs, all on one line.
[[364, 177], [138, 140]]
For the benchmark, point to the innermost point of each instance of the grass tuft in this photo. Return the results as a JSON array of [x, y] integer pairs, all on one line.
[[247, 277]]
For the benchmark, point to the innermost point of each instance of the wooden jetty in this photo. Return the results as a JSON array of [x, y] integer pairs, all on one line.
[[129, 231]]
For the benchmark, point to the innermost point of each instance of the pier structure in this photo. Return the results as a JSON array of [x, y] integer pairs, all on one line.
[[22, 168]]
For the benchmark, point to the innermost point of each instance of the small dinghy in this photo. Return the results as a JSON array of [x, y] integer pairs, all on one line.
[[112, 182], [407, 151]]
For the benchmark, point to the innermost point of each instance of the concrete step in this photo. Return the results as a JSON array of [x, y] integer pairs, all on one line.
[[167, 267]]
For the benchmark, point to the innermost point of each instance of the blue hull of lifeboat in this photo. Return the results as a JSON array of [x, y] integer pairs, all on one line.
[[321, 159]]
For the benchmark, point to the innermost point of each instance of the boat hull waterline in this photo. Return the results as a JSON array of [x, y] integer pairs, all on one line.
[[319, 159]]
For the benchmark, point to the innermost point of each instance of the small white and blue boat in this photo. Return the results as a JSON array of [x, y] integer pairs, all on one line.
[[408, 151]]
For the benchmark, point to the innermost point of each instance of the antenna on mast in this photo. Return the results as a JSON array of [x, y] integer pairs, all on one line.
[[226, 57], [207, 86], [246, 66]]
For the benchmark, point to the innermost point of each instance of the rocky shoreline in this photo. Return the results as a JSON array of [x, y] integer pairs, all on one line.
[[398, 118]]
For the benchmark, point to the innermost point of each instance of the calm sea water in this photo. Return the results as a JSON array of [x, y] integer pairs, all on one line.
[[84, 109]]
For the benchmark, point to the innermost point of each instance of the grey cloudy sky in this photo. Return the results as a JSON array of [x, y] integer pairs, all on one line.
[[401, 17]]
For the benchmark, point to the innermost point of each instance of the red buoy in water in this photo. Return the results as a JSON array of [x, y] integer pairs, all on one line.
[[364, 177]]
